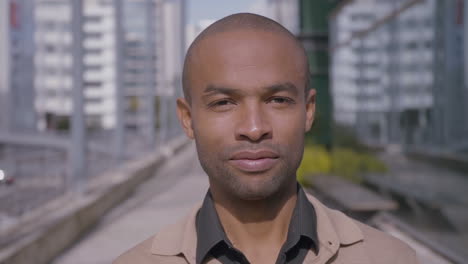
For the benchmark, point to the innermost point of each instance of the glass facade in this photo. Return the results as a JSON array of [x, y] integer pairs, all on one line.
[[139, 57], [21, 66]]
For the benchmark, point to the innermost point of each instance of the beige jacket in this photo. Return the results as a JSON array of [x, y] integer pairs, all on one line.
[[342, 240]]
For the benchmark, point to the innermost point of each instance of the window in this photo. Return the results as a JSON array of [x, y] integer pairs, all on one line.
[[93, 35], [93, 84]]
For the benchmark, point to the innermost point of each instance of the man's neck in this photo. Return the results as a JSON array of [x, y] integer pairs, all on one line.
[[258, 228]]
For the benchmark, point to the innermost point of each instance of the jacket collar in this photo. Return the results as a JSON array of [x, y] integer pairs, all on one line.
[[334, 229], [179, 238]]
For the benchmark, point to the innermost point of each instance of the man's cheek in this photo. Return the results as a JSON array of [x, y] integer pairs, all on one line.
[[288, 129], [210, 135]]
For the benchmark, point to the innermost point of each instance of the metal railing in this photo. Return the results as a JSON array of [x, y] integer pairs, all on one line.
[[40, 165]]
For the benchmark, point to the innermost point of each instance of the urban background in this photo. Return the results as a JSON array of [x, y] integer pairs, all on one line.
[[87, 114]]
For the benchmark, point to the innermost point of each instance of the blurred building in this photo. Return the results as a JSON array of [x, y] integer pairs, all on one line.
[[4, 62], [398, 71], [54, 56], [16, 61], [139, 63], [100, 51], [285, 12], [171, 51], [348, 20], [53, 61], [172, 45], [142, 44]]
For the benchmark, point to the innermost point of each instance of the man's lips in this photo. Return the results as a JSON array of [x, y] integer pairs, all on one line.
[[257, 161], [253, 155]]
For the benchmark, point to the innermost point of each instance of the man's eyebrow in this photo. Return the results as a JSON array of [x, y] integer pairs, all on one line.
[[212, 89], [271, 89], [280, 87]]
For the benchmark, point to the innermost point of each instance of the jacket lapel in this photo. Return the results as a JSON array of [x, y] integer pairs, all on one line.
[[178, 239], [334, 230]]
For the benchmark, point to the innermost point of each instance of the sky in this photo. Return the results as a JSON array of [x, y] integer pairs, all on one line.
[[216, 9]]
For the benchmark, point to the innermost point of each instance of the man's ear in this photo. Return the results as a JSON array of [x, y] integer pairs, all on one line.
[[310, 109], [185, 116]]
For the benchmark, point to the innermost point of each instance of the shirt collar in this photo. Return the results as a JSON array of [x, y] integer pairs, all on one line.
[[303, 222], [210, 231]]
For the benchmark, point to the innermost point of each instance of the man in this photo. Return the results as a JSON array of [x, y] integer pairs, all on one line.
[[248, 105]]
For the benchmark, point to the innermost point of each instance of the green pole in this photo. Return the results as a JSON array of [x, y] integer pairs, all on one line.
[[314, 36]]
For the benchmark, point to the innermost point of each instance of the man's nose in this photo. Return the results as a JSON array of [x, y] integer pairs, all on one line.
[[253, 125]]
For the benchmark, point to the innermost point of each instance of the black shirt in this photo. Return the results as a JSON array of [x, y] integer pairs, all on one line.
[[212, 240]]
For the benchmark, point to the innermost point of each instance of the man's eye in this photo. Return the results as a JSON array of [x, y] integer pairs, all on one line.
[[281, 100], [221, 104]]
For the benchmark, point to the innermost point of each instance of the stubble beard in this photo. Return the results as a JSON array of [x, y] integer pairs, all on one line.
[[233, 183]]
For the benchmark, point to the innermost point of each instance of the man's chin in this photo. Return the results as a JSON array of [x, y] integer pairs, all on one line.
[[250, 186], [253, 195], [256, 188]]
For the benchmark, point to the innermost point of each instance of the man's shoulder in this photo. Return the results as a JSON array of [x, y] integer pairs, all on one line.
[[380, 245], [141, 253], [361, 241], [166, 246]]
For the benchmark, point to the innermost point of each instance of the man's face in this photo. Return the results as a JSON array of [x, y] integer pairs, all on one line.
[[248, 112]]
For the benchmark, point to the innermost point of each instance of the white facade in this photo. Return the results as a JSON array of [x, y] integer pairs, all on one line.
[[152, 50], [54, 58], [99, 63], [353, 68]]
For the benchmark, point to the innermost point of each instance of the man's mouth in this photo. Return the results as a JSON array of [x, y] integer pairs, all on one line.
[[254, 161]]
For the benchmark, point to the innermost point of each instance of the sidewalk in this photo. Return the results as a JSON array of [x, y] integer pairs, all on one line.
[[169, 195]]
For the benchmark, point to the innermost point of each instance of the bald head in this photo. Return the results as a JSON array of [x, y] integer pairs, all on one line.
[[237, 22]]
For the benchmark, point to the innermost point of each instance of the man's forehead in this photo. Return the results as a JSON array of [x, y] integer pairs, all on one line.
[[237, 49], [226, 33], [246, 70], [244, 36], [246, 48]]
